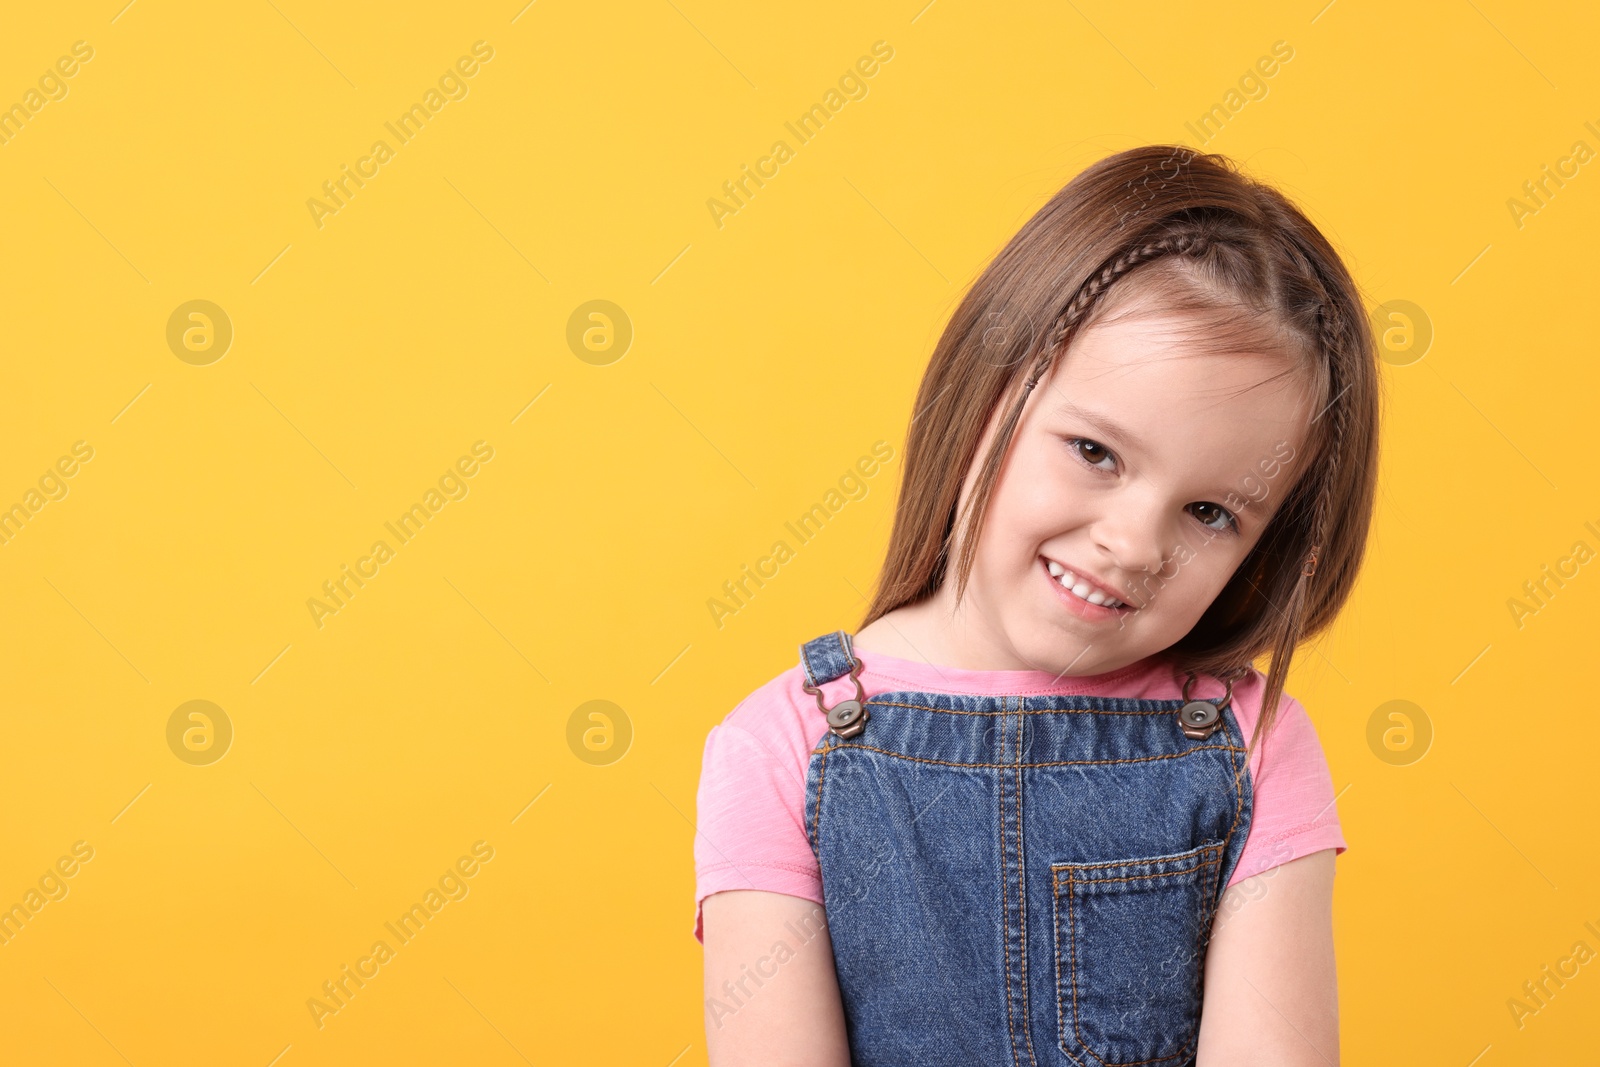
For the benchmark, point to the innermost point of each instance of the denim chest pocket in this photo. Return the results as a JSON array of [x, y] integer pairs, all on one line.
[[1130, 941]]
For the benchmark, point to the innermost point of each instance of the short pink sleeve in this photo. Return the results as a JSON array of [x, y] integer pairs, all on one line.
[[1293, 812], [750, 807]]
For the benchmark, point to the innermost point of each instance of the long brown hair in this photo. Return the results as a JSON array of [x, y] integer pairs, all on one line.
[[1237, 255]]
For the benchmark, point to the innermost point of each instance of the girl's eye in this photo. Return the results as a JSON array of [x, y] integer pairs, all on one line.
[[1091, 452], [1212, 514]]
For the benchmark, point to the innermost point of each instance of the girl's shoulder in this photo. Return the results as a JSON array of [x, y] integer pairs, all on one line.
[[1248, 692], [1291, 738], [780, 716], [1290, 748]]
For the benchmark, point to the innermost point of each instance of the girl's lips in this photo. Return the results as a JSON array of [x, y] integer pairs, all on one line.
[[1076, 604]]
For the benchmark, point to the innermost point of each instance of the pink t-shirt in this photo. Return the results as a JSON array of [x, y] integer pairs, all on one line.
[[751, 833]]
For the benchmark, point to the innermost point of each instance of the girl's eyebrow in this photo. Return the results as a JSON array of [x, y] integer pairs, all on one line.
[[1106, 425]]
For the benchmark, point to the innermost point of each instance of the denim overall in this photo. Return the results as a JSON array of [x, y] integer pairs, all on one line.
[[1020, 879]]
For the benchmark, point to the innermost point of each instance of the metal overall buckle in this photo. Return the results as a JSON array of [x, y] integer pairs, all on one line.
[[1200, 718], [848, 717]]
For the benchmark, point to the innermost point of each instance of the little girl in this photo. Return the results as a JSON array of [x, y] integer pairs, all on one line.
[[1042, 807]]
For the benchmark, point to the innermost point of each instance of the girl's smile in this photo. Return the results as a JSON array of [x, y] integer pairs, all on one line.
[[1081, 594]]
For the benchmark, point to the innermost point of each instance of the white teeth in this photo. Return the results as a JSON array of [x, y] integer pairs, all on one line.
[[1081, 589]]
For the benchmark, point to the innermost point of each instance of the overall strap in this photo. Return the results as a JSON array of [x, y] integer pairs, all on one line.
[[824, 659], [827, 657]]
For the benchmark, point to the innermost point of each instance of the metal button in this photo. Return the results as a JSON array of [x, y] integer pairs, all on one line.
[[1199, 714], [847, 718], [1200, 718]]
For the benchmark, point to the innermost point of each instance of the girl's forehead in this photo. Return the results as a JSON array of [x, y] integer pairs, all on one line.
[[1170, 360], [1165, 401]]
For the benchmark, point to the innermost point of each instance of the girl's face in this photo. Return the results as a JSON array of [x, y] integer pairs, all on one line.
[[1140, 469]]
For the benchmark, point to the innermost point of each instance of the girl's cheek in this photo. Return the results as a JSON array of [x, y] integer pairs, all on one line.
[[1045, 499], [1194, 562]]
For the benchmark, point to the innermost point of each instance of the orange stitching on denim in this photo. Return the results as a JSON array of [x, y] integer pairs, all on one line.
[[1055, 936], [822, 769], [1201, 944], [1005, 906], [1239, 771], [1072, 881], [1077, 1031], [1071, 975], [1022, 895], [1052, 763], [1176, 704], [1201, 940], [1134, 877], [1129, 863]]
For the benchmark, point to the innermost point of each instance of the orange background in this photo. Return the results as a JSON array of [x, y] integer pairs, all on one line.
[[371, 347]]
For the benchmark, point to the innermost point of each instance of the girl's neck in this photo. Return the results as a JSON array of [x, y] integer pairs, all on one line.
[[926, 632], [930, 632]]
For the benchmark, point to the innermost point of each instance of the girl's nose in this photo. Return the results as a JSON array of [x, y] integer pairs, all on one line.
[[1132, 538]]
